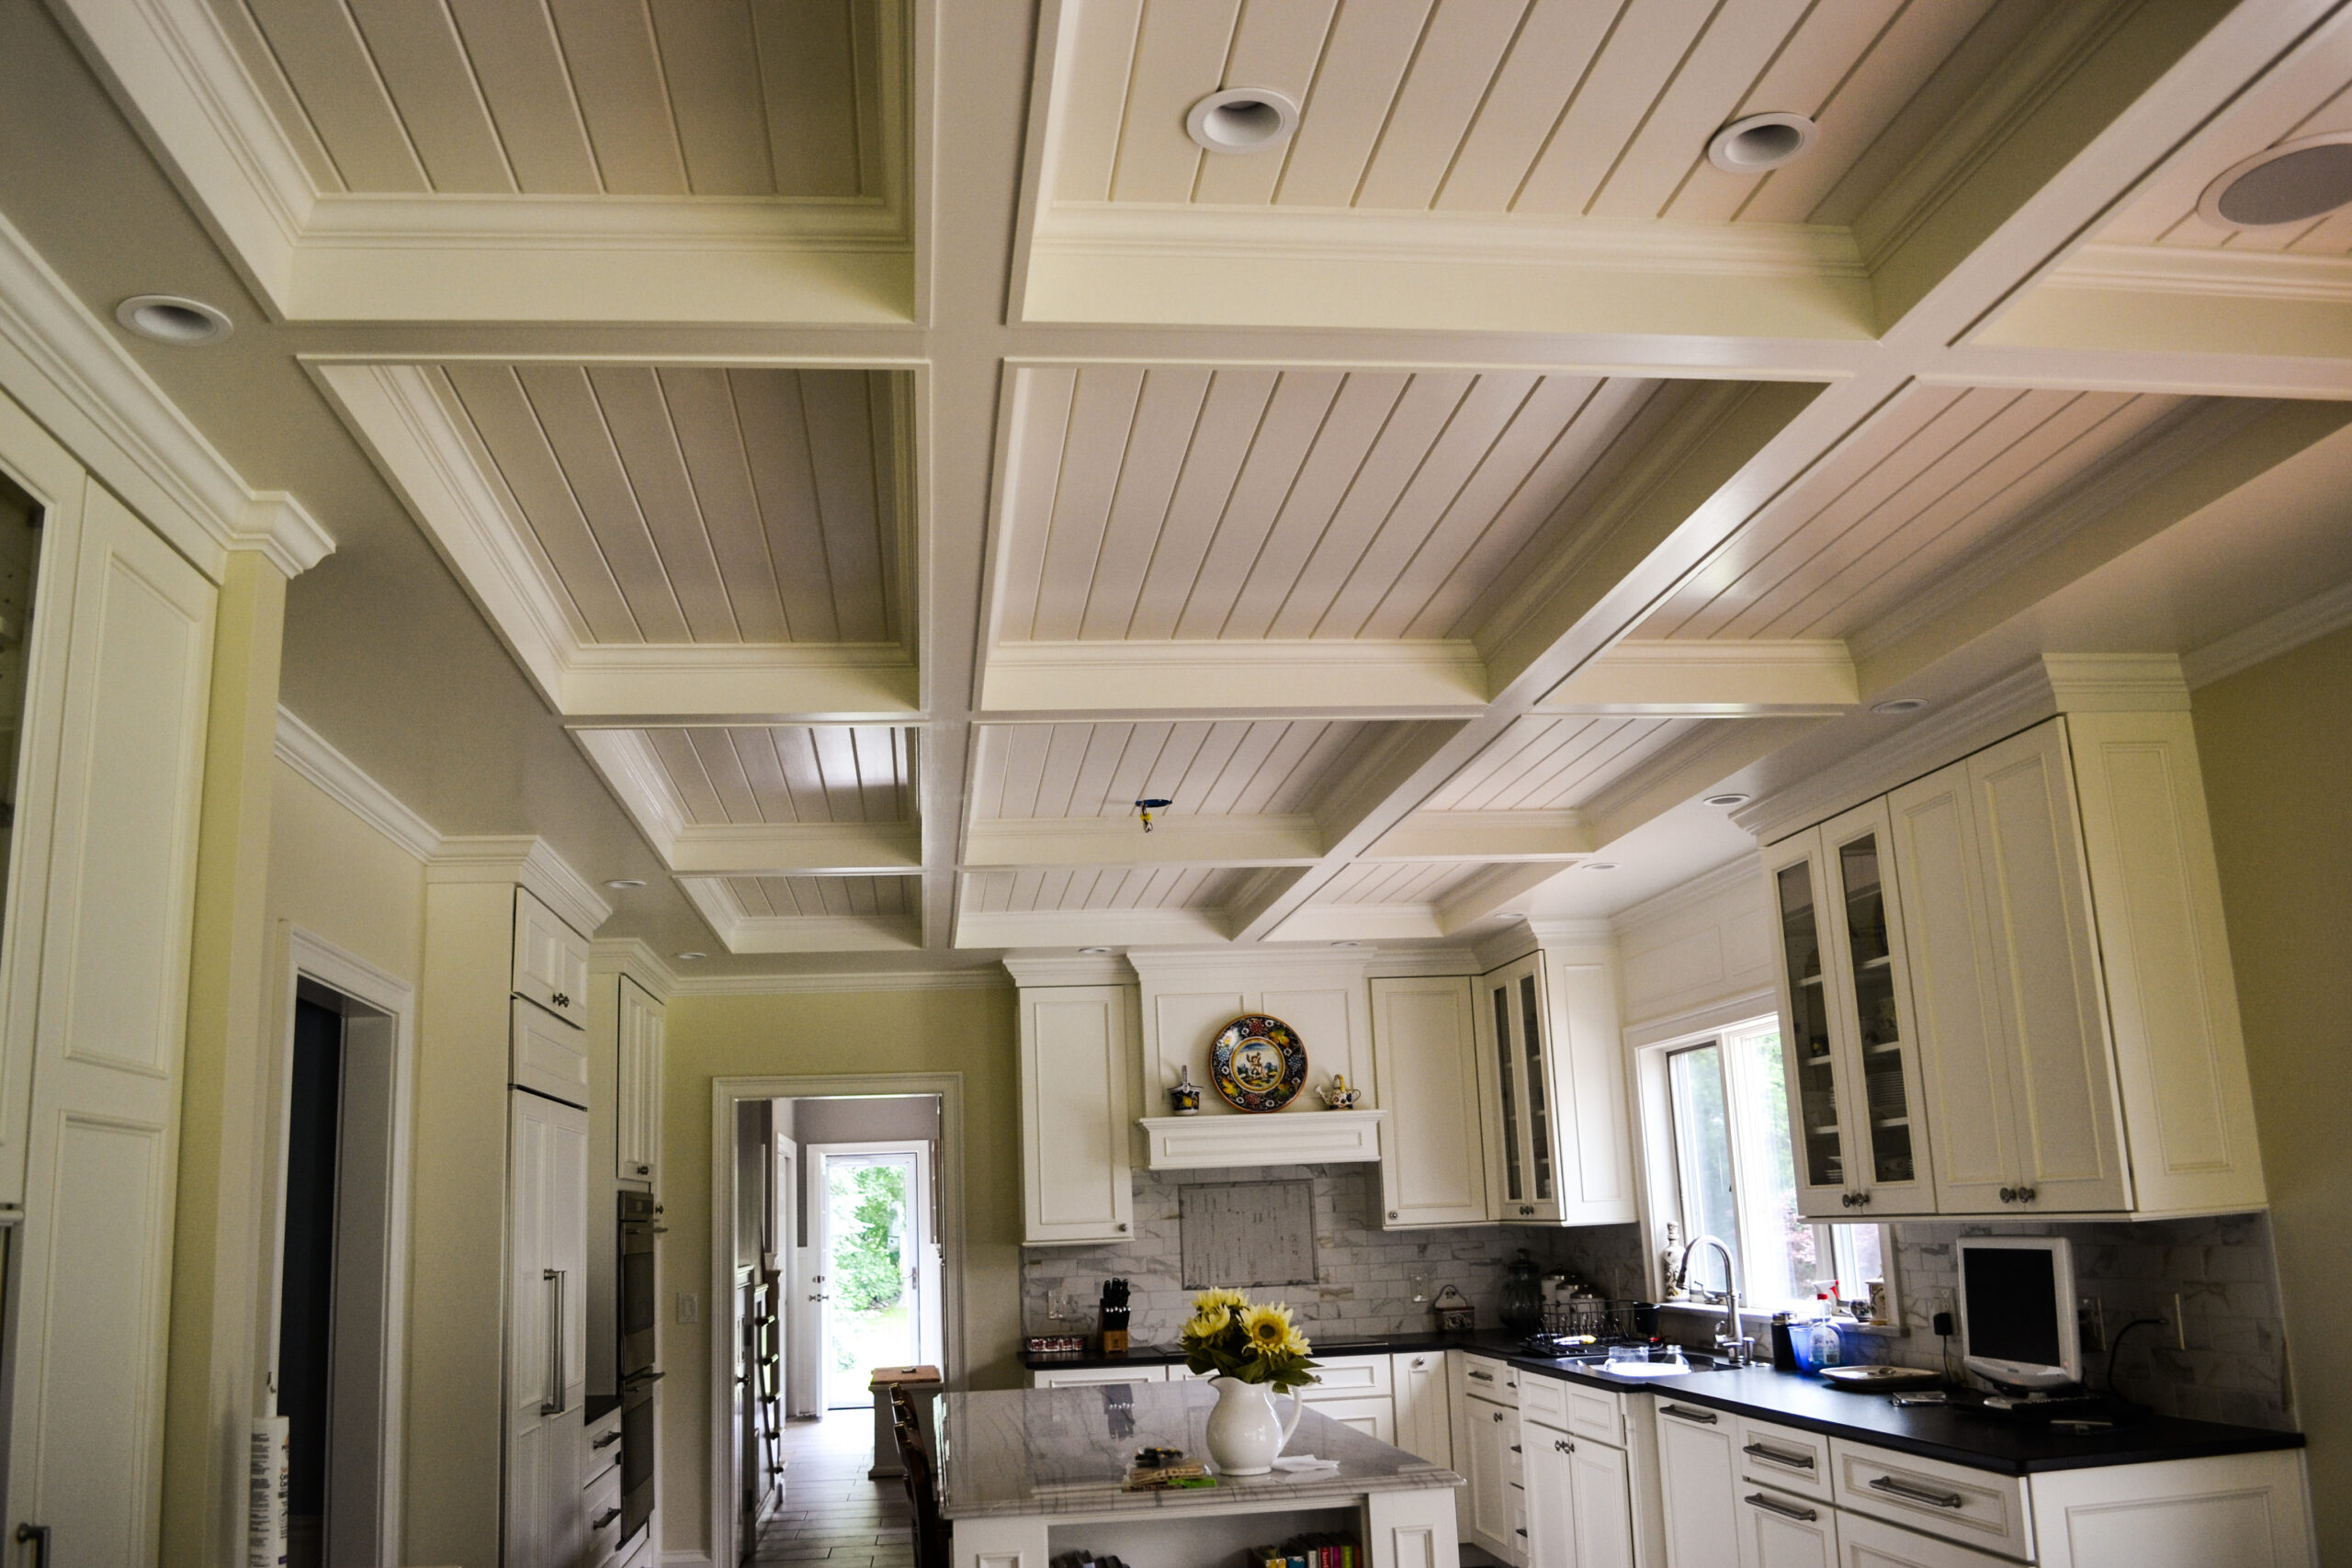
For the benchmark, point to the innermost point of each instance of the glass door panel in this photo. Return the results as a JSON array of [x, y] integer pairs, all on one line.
[[1505, 1069], [1885, 1096], [1812, 1053], [1539, 1097]]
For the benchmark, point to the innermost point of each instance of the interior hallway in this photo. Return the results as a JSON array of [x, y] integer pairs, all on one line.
[[832, 1513]]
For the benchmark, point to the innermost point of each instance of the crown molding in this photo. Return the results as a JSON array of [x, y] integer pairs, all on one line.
[[849, 981], [1036, 969], [741, 931], [309, 753], [526, 861], [2116, 683], [630, 955], [1743, 871], [2207, 274], [558, 224], [73, 374], [2329, 610], [1556, 932], [1222, 965]]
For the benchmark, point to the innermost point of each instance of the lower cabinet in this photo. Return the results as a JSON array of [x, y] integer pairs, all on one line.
[[1579, 1501], [1779, 1529], [1080, 1377], [1488, 1521], [1698, 1475], [1424, 1396]]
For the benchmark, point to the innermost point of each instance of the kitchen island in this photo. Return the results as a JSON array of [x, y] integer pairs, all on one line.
[[1026, 1475]]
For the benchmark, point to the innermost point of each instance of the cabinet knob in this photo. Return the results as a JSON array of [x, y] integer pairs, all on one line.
[[562, 1000], [1392, 1213], [2008, 1194], [2028, 1194], [1862, 1200], [1561, 1445], [1123, 1225]]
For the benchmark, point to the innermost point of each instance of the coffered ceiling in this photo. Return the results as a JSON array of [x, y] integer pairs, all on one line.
[[883, 447]]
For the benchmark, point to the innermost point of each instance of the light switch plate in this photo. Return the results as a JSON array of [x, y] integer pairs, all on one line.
[[689, 1307]]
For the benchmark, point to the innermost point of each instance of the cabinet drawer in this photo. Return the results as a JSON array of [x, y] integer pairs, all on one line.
[[1864, 1542], [549, 1056], [601, 1507], [1783, 1457], [1486, 1378], [1597, 1414], [1985, 1510], [1347, 1377], [1373, 1414], [1546, 1400], [1080, 1377]]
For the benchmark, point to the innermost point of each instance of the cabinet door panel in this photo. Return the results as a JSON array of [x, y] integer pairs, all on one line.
[[1551, 1513], [1812, 1027], [1696, 1474], [1778, 1530], [551, 1058], [1432, 1170], [1424, 1406], [638, 1116], [546, 1329], [1492, 1430], [1889, 1165], [550, 960], [1586, 1061], [2045, 963], [1963, 1045], [1602, 1505], [1074, 1113]]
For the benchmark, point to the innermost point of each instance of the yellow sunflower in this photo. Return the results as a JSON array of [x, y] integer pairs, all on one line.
[[1219, 1300], [1268, 1328], [1207, 1326]]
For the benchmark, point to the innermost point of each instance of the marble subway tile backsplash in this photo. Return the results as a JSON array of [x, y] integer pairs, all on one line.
[[1362, 1284], [2220, 1269]]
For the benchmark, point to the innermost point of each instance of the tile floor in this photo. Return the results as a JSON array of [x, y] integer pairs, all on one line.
[[832, 1515]]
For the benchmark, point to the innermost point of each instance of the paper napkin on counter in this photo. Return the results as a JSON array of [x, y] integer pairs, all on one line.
[[1305, 1462]]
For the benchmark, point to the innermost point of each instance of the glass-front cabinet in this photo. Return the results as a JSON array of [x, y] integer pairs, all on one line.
[[1511, 1021], [1847, 1039]]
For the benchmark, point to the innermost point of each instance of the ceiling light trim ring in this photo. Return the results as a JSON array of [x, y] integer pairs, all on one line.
[[174, 318], [1242, 119], [2210, 201], [1759, 144]]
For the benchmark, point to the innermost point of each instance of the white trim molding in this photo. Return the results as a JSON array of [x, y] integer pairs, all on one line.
[[741, 931], [313, 756], [1713, 678], [1487, 836], [836, 981], [632, 956], [2329, 610], [72, 373], [530, 861], [1177, 839], [1298, 676]]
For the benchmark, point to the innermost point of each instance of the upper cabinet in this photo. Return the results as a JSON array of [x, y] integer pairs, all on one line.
[[2057, 1029], [1077, 1182], [1425, 1047], [1553, 1085], [636, 1121], [1849, 1059], [550, 960]]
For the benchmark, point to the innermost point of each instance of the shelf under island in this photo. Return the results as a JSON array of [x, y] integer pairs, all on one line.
[[1026, 1475]]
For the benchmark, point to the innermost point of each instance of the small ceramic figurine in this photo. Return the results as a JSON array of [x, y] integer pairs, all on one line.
[[1338, 1096], [1184, 1098]]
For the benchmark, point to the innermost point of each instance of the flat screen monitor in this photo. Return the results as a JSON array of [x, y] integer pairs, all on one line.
[[2017, 1311]]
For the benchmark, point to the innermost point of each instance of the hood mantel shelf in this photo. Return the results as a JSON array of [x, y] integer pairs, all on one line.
[[1307, 1137]]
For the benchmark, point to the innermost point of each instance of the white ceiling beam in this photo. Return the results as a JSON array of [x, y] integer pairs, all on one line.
[[1300, 678], [1359, 922], [1482, 895], [798, 849], [1711, 755], [1485, 836], [1175, 839], [1720, 679], [2178, 300], [742, 932], [739, 683], [1092, 928]]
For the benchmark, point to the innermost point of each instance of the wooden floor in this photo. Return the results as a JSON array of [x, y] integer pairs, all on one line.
[[832, 1515]]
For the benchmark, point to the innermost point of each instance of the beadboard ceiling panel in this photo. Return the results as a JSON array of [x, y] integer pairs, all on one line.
[[1190, 502], [786, 897], [691, 504], [1236, 769], [1939, 476], [573, 97], [1110, 887], [1541, 764], [1558, 107], [2309, 97], [1396, 884], [744, 776]]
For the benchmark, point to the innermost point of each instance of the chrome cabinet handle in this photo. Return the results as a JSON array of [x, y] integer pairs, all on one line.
[[607, 1441], [1483, 1377], [614, 1513], [1895, 1488], [553, 1405], [1757, 1500], [1774, 1455], [1683, 1413], [39, 1536]]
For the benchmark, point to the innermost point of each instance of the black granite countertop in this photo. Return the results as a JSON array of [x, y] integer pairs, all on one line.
[[1957, 1434]]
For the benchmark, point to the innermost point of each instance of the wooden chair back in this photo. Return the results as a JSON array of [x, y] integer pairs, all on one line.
[[916, 1462]]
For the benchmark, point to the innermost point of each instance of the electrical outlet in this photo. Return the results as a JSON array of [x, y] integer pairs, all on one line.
[[2091, 1325], [689, 1307]]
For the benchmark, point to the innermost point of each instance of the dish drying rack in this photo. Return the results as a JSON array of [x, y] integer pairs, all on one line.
[[1604, 1320]]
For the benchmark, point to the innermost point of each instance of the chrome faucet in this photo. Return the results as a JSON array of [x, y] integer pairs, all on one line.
[[1732, 1345]]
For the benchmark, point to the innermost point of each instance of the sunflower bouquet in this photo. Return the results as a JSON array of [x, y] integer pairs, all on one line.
[[1232, 1337]]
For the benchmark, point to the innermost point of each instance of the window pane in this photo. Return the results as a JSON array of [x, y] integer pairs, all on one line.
[[1858, 1260], [1702, 1149], [1787, 1255]]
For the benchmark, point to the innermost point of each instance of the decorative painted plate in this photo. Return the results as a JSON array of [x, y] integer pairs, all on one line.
[[1257, 1063]]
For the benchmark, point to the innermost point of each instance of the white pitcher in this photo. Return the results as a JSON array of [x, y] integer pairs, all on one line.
[[1244, 1433]]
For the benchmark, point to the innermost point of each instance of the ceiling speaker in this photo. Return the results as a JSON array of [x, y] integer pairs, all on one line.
[[2292, 183]]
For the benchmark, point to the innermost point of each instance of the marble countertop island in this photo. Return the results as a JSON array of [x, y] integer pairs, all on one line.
[[1067, 1451]]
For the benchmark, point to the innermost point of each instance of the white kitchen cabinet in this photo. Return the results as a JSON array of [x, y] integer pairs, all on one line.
[[550, 960], [1087, 1377], [1780, 1529], [1864, 1542], [546, 1365], [1699, 1476], [1075, 1142], [1552, 1083], [1425, 1050], [637, 1111], [548, 1056], [1487, 1434], [1424, 1397], [1580, 1498], [1373, 1414], [1847, 1043]]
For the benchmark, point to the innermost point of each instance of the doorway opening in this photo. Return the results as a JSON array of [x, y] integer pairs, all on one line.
[[334, 1365], [877, 1300]]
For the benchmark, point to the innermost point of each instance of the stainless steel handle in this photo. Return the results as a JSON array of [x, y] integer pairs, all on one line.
[[1895, 1488], [1757, 1500], [1481, 1377], [1776, 1456], [553, 1404], [612, 1514], [1684, 1412], [607, 1441], [39, 1536]]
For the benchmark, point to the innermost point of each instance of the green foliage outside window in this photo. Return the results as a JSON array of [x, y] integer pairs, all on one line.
[[869, 1218]]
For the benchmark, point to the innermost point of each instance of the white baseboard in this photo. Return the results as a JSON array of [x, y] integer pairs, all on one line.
[[686, 1559]]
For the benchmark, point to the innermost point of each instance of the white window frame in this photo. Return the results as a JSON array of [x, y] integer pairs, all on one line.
[[1662, 1164]]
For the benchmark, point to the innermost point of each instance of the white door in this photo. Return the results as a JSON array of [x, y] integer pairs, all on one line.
[[93, 1293], [1696, 1474], [1424, 1405], [1492, 1429], [869, 1210], [547, 1360], [1602, 1504], [1432, 1167], [1778, 1529], [786, 1195], [1551, 1521], [1814, 1028], [2045, 967], [550, 960]]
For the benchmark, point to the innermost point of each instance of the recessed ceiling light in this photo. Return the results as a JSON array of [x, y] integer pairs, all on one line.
[[167, 318], [1242, 119], [2291, 183], [1094, 952], [1899, 704], [690, 957], [1729, 798], [625, 882], [1598, 865], [1759, 142]]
